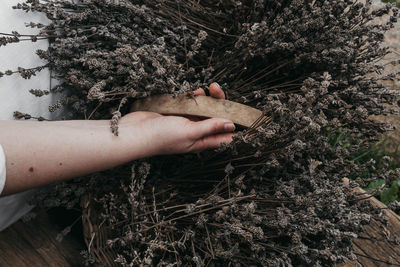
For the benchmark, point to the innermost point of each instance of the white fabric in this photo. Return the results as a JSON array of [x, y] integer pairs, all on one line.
[[14, 90], [2, 169]]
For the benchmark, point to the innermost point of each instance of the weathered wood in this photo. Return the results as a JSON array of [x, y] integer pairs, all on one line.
[[202, 106], [34, 244], [377, 245]]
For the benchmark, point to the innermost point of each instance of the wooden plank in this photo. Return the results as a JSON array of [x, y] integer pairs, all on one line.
[[15, 251], [201, 106], [34, 244], [375, 247], [361, 260], [381, 248], [39, 239]]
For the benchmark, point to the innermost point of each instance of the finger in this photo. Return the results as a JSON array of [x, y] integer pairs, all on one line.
[[216, 91], [212, 142], [199, 91], [212, 126]]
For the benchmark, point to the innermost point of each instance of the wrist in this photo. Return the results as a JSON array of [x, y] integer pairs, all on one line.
[[137, 136]]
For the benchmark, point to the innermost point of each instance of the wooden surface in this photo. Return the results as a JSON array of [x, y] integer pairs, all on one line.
[[202, 106], [379, 245], [34, 244]]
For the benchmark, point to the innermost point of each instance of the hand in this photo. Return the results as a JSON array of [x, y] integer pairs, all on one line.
[[40, 153], [175, 134]]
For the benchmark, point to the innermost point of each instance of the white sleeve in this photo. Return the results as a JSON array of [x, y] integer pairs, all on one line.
[[12, 207], [2, 169]]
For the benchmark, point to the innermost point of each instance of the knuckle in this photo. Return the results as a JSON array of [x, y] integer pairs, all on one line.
[[216, 126]]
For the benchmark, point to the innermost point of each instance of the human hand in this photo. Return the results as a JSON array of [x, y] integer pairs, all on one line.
[[40, 153], [176, 134]]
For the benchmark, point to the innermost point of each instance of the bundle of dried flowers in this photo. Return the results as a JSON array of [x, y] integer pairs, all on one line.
[[274, 196]]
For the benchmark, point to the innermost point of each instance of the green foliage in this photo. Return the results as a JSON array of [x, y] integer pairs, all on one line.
[[397, 2], [391, 194], [376, 152], [375, 184], [388, 195]]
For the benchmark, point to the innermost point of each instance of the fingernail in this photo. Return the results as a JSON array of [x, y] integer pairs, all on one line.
[[229, 127], [217, 84]]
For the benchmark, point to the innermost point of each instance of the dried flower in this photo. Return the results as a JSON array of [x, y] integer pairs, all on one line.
[[304, 64]]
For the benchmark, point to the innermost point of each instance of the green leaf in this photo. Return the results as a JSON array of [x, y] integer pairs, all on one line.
[[375, 184], [390, 194]]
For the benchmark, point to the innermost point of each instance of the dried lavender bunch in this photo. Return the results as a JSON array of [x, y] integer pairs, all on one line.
[[275, 195], [105, 51]]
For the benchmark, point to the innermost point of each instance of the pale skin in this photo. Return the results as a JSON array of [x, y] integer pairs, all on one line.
[[41, 153]]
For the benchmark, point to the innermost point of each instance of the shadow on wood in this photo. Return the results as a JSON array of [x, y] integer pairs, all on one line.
[[34, 243], [379, 244]]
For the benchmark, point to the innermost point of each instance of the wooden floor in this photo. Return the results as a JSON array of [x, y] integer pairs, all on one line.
[[34, 244]]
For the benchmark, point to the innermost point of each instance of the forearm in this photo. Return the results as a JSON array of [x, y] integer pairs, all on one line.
[[40, 153]]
